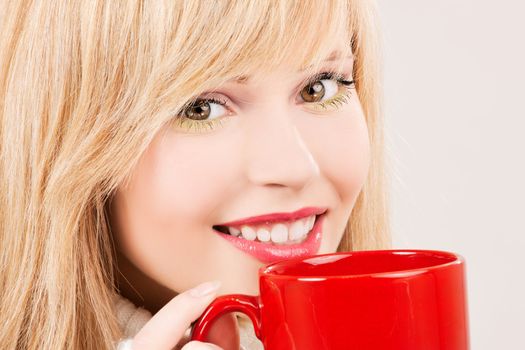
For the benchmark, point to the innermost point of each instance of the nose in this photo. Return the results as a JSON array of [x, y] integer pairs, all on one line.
[[276, 153]]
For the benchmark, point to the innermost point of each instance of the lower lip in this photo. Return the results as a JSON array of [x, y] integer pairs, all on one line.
[[270, 253]]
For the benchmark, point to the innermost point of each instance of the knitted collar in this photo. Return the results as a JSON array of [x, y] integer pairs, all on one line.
[[132, 318]]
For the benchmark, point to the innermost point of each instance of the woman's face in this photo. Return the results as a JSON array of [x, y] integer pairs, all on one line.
[[276, 150]]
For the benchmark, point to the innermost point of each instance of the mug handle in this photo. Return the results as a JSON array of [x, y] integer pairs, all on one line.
[[247, 304]]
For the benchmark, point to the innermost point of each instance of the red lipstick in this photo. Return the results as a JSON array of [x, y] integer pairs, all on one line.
[[276, 217], [267, 252]]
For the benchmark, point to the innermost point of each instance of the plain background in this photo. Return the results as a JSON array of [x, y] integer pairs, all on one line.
[[455, 111]]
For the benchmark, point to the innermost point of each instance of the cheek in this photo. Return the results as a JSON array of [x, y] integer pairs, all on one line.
[[181, 178], [165, 212], [343, 152]]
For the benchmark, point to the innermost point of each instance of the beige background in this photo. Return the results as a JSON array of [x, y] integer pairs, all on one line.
[[455, 109]]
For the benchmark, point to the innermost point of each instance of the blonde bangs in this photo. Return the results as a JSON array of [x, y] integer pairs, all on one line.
[[237, 39]]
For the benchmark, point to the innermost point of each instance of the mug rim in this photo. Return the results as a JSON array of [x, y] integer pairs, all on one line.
[[457, 259]]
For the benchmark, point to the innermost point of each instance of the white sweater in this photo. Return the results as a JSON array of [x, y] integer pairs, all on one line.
[[131, 319]]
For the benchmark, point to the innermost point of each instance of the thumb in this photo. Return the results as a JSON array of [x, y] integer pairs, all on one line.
[[166, 328]]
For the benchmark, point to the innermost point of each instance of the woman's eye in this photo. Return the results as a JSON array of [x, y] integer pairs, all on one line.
[[205, 109], [323, 88], [327, 90], [324, 91], [201, 114]]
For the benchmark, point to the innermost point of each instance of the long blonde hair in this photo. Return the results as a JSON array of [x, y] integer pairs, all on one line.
[[85, 86]]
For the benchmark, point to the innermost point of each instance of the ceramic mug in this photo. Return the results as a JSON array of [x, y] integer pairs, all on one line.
[[376, 299]]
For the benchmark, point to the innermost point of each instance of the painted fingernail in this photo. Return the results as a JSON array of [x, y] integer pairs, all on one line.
[[205, 289]]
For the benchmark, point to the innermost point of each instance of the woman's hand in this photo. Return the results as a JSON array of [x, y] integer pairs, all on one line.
[[166, 329]]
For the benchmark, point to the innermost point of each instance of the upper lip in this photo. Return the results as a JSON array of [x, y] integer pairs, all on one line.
[[277, 217]]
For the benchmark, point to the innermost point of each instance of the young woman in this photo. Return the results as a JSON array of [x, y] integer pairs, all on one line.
[[138, 138]]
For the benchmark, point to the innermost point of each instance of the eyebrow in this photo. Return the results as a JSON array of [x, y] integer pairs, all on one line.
[[334, 56]]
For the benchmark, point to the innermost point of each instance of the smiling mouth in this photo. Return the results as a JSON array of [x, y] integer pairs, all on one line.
[[283, 233]]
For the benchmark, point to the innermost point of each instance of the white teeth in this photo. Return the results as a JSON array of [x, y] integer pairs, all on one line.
[[248, 233], [279, 233], [263, 235], [234, 232], [311, 221], [306, 224], [297, 230], [287, 233]]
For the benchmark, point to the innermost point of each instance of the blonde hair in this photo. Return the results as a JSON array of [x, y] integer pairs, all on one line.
[[86, 85]]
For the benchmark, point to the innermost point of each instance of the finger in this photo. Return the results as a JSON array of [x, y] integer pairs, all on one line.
[[166, 327]]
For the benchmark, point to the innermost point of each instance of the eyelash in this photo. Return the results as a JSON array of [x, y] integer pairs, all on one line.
[[337, 101]]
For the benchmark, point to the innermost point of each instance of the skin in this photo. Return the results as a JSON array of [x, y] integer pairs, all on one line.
[[274, 153]]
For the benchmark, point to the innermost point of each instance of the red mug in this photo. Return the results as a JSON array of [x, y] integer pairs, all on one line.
[[376, 299]]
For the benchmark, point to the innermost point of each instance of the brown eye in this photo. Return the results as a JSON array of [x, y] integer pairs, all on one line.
[[313, 92], [205, 109], [199, 110], [322, 87], [326, 89]]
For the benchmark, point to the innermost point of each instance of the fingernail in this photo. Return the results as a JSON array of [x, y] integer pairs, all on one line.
[[205, 289]]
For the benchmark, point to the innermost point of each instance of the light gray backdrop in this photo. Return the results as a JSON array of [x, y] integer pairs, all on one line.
[[455, 110]]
